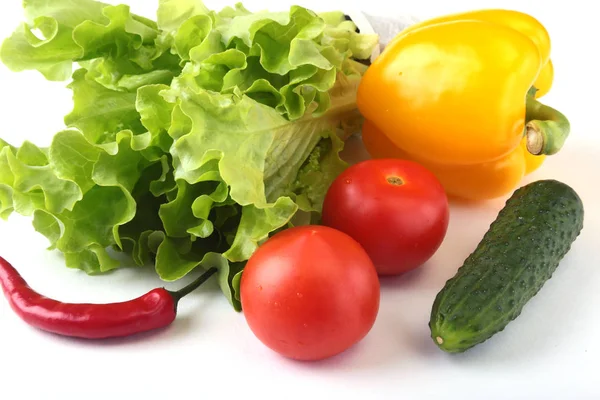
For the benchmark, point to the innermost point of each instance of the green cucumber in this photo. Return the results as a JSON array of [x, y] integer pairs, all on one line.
[[517, 255]]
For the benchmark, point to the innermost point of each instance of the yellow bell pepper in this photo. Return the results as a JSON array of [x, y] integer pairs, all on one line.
[[521, 22], [458, 94]]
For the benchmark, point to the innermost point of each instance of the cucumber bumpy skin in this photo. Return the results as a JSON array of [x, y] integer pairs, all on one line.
[[517, 255]]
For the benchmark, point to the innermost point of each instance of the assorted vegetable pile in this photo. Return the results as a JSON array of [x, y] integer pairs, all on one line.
[[202, 139]]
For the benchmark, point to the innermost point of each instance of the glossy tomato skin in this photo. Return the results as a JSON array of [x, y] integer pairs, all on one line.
[[396, 209], [310, 292]]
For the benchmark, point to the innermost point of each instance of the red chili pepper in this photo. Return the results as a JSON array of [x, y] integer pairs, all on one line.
[[155, 309]]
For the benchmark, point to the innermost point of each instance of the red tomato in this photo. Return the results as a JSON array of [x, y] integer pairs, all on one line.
[[310, 292], [396, 209]]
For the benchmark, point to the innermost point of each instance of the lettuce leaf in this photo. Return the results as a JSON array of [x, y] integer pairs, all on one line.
[[191, 139], [72, 30]]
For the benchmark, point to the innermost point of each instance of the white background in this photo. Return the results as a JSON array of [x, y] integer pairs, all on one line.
[[552, 351]]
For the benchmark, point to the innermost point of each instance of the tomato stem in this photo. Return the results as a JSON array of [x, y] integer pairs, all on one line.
[[395, 180]]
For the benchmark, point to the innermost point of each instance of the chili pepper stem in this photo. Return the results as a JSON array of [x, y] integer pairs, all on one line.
[[179, 294], [546, 128]]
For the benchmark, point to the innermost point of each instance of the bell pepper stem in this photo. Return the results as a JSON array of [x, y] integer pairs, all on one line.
[[546, 128]]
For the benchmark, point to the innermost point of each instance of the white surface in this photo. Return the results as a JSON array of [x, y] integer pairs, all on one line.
[[551, 351]]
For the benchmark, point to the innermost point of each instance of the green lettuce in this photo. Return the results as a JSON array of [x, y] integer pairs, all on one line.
[[191, 139]]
